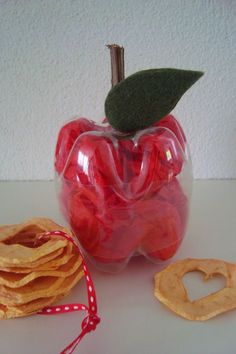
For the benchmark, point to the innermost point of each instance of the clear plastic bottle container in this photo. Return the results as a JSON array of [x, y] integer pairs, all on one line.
[[124, 195]]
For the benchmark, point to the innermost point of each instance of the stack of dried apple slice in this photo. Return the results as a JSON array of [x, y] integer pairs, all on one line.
[[34, 271]]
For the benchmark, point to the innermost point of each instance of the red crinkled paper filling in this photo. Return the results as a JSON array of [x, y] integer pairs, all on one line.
[[121, 195]]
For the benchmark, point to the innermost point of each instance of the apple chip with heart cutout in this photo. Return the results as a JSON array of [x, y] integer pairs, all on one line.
[[170, 290]]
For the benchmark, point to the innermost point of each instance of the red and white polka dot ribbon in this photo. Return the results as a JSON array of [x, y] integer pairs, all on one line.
[[91, 320]]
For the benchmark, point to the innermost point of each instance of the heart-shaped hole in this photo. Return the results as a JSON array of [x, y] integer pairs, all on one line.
[[197, 287]]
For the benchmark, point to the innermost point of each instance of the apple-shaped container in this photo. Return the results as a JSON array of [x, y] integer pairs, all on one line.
[[124, 185]]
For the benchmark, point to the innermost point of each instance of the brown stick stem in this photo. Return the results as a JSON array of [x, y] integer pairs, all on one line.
[[117, 63]]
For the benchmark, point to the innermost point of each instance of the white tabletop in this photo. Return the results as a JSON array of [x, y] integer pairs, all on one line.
[[133, 321]]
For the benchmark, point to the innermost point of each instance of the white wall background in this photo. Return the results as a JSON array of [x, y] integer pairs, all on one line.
[[53, 66]]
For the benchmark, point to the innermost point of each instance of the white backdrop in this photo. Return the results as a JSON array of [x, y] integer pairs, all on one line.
[[54, 65]]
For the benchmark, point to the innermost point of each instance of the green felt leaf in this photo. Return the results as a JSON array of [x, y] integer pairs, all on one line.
[[147, 96]]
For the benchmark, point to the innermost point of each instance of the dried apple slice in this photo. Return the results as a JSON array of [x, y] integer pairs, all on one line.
[[170, 290]]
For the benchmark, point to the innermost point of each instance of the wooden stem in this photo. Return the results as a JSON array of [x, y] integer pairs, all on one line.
[[117, 63]]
